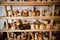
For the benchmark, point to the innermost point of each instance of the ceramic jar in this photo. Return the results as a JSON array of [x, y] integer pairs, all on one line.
[[57, 13], [30, 12], [42, 26], [10, 13], [56, 26], [36, 24], [23, 36], [33, 13], [40, 36], [37, 13], [13, 26], [48, 13], [32, 26], [24, 13], [46, 38], [18, 37], [47, 24], [53, 38]]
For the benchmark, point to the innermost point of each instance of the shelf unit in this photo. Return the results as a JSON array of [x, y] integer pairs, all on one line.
[[29, 3]]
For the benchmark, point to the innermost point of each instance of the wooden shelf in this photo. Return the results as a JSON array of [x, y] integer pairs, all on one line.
[[26, 30], [2, 17], [40, 17], [30, 3]]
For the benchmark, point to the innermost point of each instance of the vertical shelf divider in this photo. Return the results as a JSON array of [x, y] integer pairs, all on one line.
[[6, 21], [8, 33], [52, 20]]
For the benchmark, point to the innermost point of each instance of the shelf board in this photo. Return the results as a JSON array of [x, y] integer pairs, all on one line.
[[30, 3], [28, 17], [26, 30], [40, 17], [2, 17]]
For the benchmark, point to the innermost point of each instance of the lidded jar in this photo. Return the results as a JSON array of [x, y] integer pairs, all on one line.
[[33, 13], [24, 13], [37, 24]]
